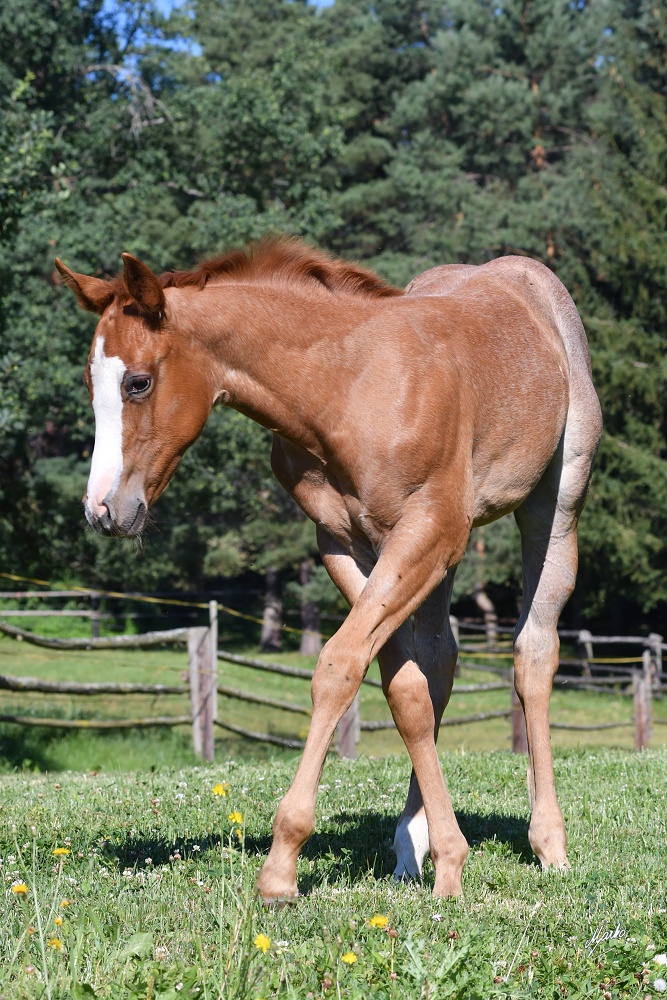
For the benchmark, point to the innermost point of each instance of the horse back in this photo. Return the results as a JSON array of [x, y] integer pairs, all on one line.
[[524, 360], [534, 285]]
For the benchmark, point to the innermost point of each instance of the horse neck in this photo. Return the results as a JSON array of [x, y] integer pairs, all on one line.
[[274, 352]]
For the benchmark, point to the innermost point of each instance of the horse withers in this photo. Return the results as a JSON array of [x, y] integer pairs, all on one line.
[[400, 421]]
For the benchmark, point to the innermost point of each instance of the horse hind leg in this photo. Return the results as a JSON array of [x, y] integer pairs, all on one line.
[[547, 521], [435, 651]]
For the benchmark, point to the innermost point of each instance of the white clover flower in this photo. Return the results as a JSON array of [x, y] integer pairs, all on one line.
[[660, 985], [660, 959], [436, 916]]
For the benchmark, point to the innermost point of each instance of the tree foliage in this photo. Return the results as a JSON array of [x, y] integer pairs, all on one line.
[[404, 133]]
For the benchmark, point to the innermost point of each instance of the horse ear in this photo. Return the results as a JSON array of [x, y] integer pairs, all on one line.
[[92, 294], [143, 286]]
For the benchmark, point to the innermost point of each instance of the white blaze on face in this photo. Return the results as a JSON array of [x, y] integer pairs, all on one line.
[[106, 375]]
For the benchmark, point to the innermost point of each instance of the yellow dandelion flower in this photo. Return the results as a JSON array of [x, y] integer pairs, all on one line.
[[263, 943], [61, 851], [20, 888], [349, 958], [65, 903], [239, 832], [56, 943], [58, 921], [236, 817], [378, 920], [221, 788]]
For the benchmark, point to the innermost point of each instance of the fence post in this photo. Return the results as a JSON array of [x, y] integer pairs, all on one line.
[[347, 734], [655, 645], [203, 670], [519, 735], [641, 696], [95, 616]]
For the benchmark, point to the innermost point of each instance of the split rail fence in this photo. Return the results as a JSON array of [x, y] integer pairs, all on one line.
[[641, 676]]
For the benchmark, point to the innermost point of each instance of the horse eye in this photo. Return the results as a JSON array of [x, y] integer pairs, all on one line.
[[136, 384]]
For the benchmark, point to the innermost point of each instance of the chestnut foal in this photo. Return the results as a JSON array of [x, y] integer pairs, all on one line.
[[400, 421]]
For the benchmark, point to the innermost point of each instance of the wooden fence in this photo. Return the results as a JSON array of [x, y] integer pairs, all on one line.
[[641, 677]]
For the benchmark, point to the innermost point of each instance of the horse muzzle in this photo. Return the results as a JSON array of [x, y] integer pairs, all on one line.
[[115, 516]]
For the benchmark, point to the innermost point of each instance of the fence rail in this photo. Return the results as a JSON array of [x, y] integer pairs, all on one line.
[[142, 641], [640, 677]]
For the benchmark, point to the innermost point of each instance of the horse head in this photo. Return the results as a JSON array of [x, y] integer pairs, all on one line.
[[149, 395]]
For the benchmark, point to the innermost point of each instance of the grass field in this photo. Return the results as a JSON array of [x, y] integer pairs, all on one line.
[[149, 891], [56, 750]]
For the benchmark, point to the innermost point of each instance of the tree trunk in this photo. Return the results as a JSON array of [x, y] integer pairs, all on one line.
[[311, 639], [488, 609], [273, 613], [482, 599]]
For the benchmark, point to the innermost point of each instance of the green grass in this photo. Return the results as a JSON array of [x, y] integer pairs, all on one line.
[[49, 750], [160, 900]]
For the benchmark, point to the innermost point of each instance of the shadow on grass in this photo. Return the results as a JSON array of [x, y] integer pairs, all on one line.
[[40, 750], [350, 848], [51, 749], [27, 749]]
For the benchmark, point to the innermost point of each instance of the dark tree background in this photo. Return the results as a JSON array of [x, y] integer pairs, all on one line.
[[397, 132]]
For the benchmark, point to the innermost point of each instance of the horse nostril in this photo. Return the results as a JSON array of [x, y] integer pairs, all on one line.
[[104, 519]]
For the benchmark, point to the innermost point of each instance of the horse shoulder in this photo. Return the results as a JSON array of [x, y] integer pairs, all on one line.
[[311, 485]]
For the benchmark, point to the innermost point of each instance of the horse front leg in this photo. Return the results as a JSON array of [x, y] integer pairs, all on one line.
[[428, 640], [412, 563]]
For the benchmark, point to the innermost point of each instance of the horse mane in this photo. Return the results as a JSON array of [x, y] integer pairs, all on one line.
[[283, 258]]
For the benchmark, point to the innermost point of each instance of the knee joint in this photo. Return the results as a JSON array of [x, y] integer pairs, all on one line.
[[337, 676], [408, 698]]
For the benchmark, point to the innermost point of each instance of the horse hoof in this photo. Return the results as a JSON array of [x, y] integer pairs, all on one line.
[[557, 866], [405, 877], [450, 890], [276, 891], [278, 902]]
